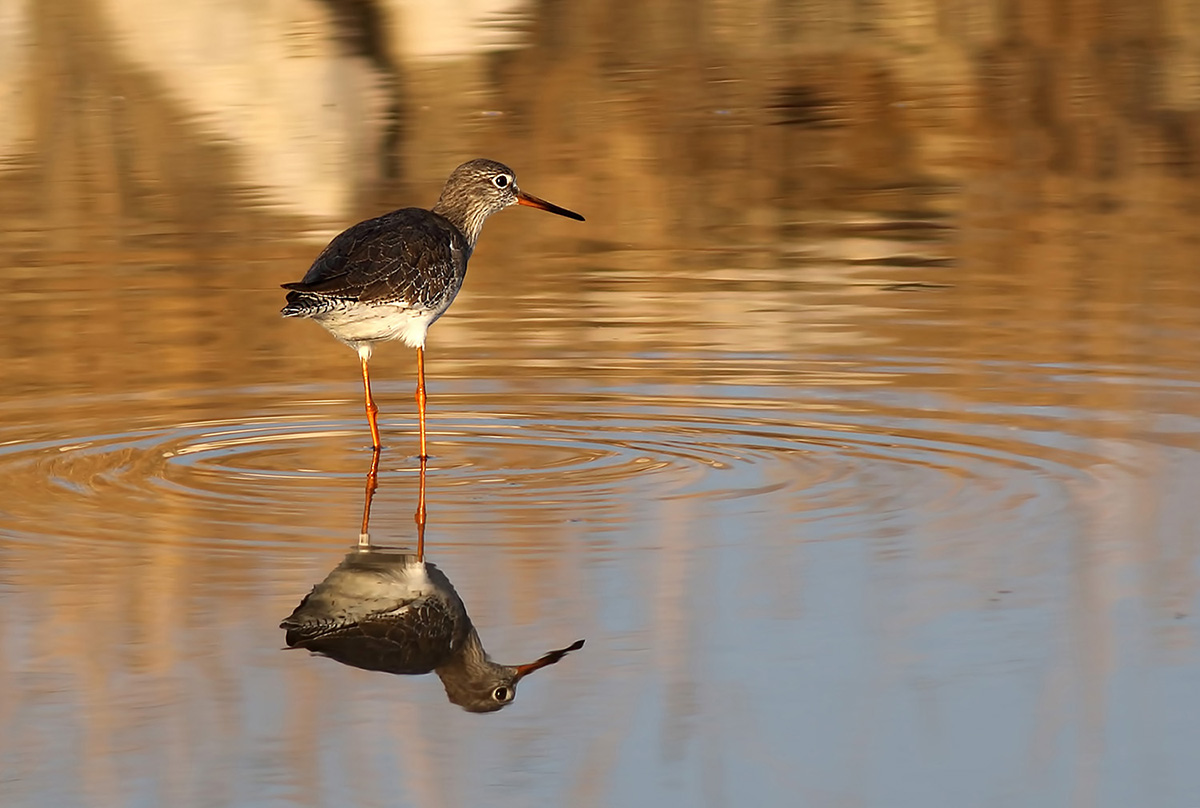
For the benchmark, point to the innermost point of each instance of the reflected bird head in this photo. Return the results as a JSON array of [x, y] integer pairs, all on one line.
[[493, 687]]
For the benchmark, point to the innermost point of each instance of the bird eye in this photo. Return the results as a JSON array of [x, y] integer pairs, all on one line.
[[502, 694], [501, 180]]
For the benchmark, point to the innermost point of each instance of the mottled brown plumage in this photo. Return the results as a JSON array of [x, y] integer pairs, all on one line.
[[391, 277], [411, 256]]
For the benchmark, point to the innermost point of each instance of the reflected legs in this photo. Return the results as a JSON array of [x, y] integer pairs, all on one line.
[[419, 516], [372, 483]]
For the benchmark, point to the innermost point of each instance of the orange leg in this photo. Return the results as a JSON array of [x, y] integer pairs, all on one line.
[[419, 516], [372, 410], [372, 483], [421, 400]]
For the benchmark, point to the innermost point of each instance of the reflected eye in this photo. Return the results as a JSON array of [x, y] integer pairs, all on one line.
[[501, 181], [502, 694]]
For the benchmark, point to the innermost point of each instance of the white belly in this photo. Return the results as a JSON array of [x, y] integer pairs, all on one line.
[[359, 323]]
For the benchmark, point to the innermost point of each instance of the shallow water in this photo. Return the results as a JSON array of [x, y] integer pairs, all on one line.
[[857, 430]]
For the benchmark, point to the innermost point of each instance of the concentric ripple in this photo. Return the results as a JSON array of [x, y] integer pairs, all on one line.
[[843, 455]]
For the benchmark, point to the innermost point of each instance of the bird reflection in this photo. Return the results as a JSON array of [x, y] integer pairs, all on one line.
[[388, 609]]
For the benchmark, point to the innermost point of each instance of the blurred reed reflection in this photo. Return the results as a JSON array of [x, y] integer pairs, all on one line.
[[388, 609], [704, 118]]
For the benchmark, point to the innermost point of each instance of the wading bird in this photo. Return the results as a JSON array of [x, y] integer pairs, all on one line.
[[391, 277]]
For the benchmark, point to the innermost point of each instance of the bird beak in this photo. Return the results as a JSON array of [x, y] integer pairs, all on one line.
[[541, 204], [547, 659]]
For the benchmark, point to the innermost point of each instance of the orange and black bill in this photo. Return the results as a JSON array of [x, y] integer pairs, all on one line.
[[547, 659], [541, 204]]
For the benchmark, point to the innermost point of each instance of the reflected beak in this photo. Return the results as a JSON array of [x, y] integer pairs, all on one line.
[[541, 204], [547, 659]]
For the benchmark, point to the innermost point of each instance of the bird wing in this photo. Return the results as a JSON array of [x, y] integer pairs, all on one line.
[[409, 256], [319, 616], [412, 638]]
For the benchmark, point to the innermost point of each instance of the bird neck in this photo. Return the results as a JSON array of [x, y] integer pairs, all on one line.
[[466, 217], [469, 660], [467, 670]]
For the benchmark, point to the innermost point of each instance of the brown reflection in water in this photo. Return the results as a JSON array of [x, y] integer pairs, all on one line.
[[1013, 133], [390, 610], [694, 116], [115, 161]]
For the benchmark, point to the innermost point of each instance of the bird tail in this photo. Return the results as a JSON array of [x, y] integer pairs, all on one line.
[[301, 304]]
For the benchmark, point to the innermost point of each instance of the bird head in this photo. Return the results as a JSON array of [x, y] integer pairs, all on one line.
[[479, 188]]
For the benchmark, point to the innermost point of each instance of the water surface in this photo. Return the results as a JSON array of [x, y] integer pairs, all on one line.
[[857, 430]]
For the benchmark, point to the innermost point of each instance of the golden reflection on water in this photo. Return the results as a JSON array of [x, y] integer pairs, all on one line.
[[921, 277]]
